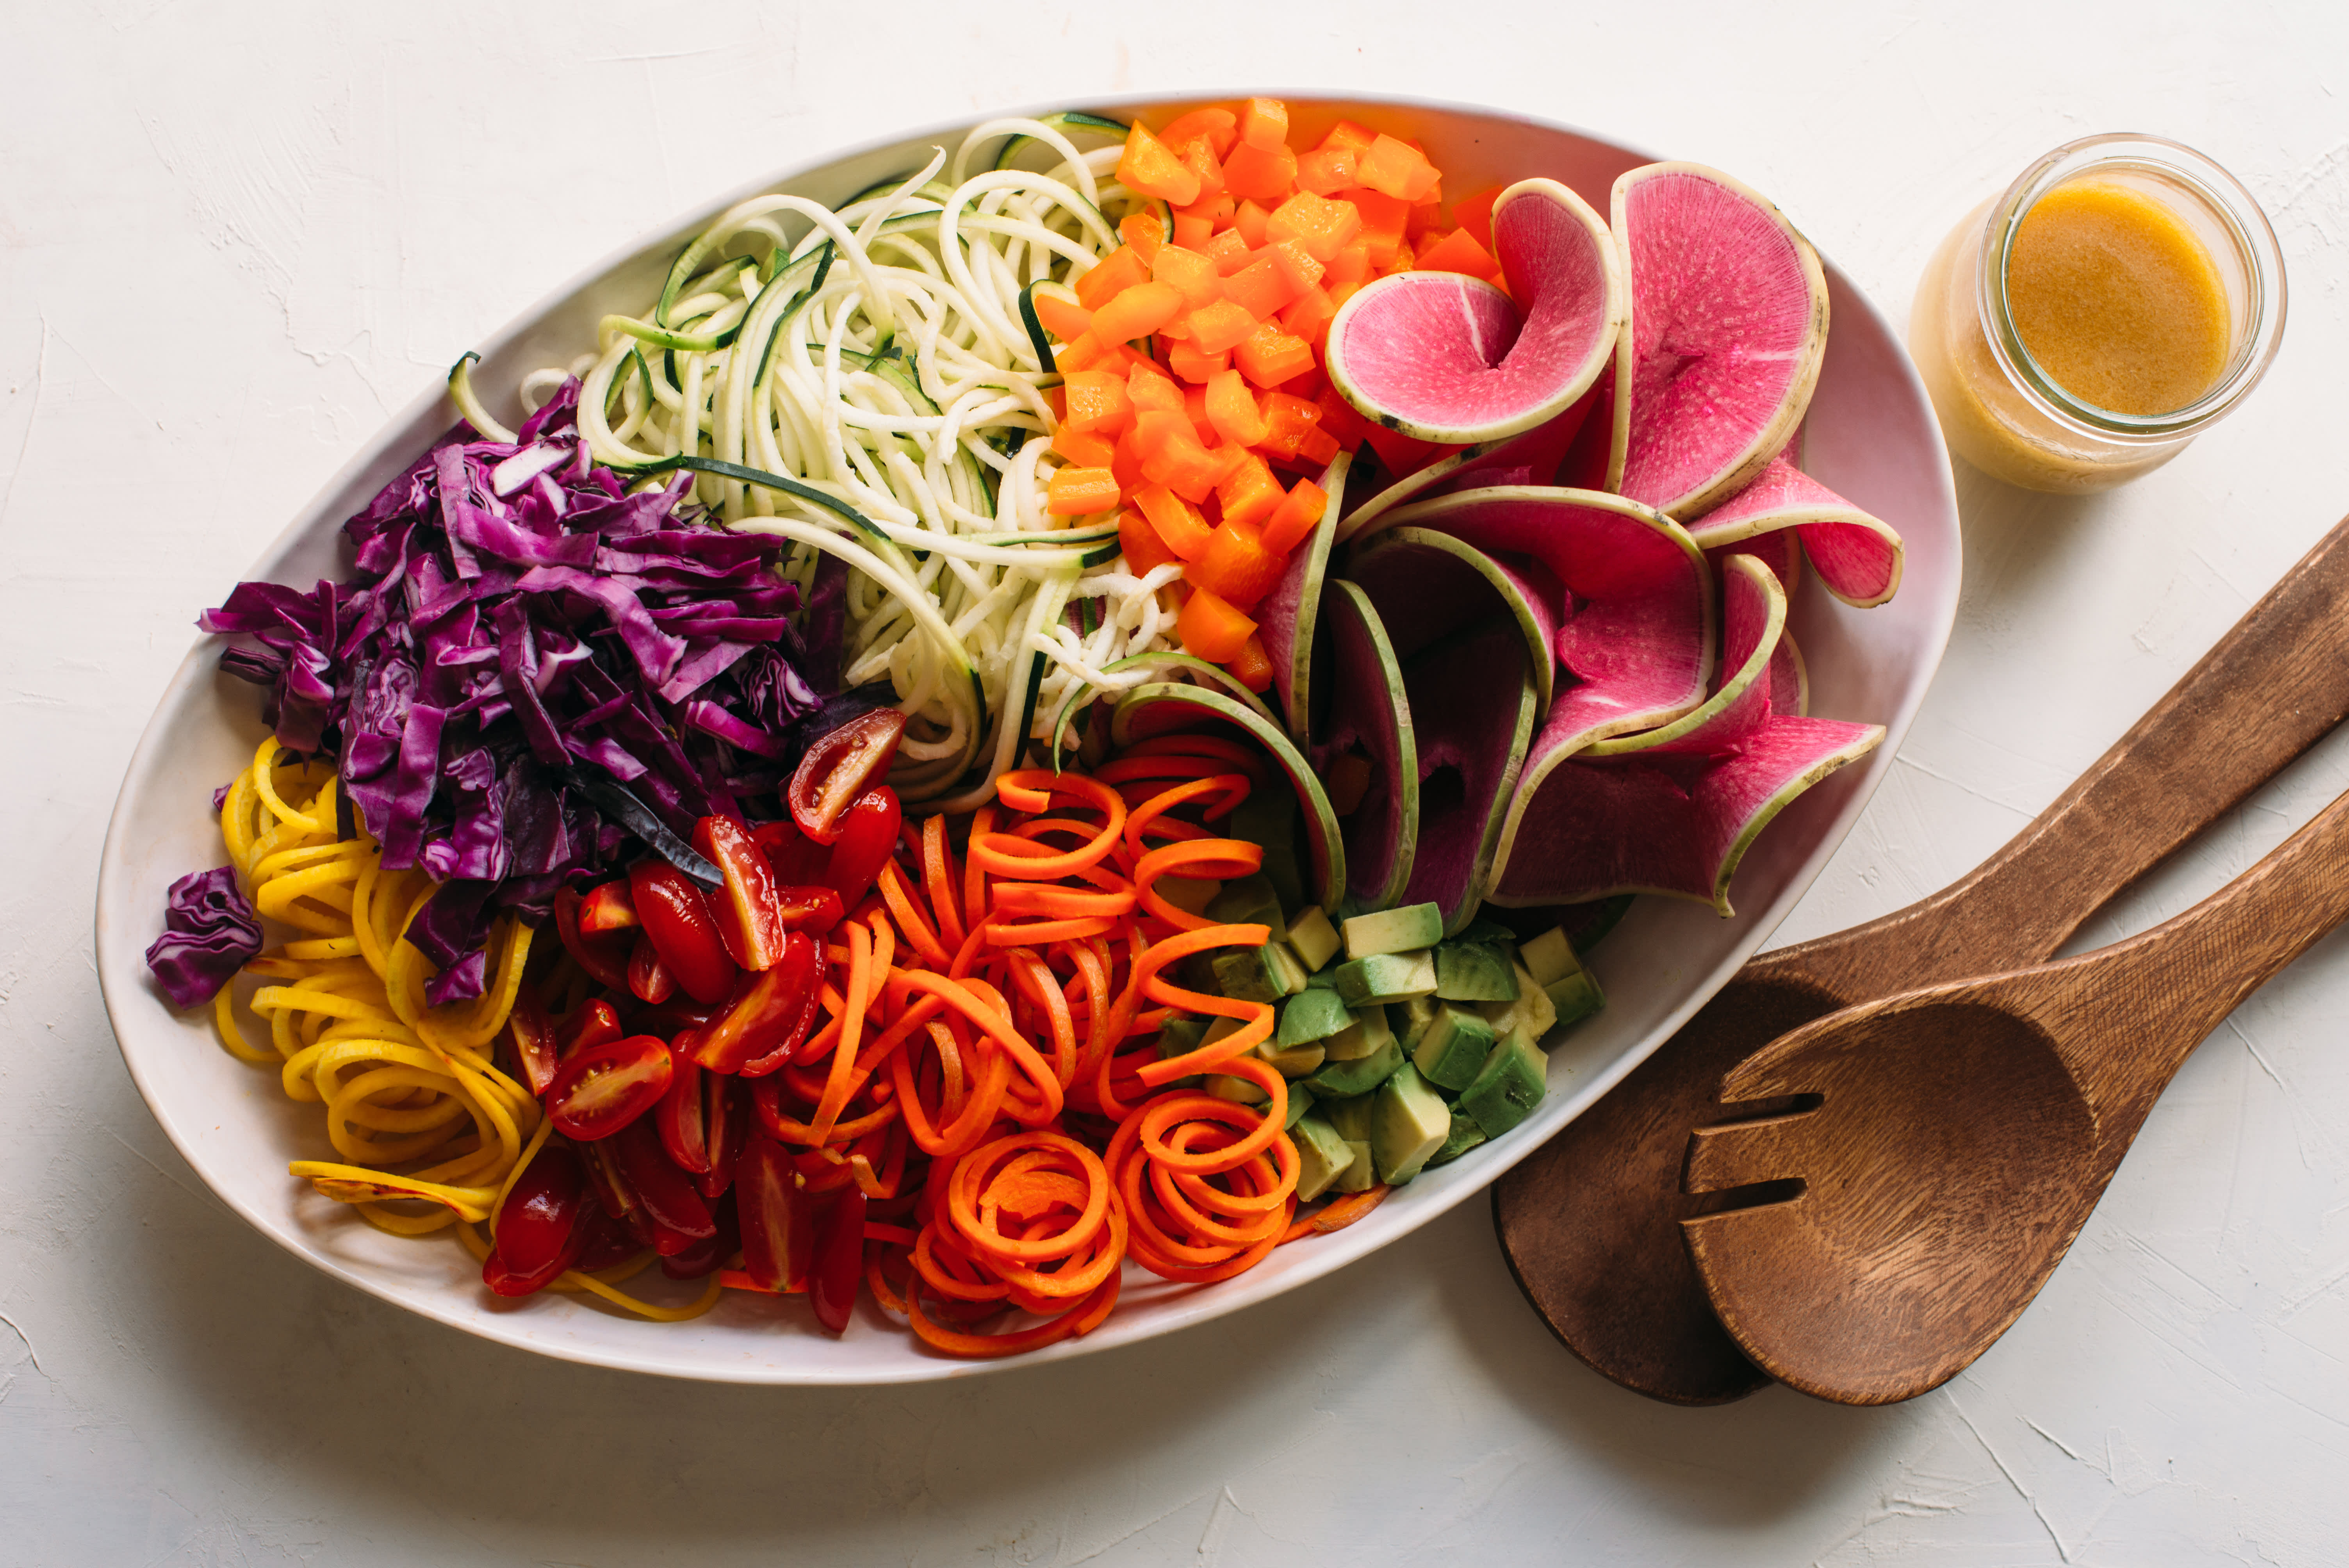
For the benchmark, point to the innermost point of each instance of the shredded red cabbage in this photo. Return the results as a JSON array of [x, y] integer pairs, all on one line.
[[209, 933]]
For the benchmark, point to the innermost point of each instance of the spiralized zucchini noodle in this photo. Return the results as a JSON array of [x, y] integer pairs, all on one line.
[[415, 1109], [875, 363]]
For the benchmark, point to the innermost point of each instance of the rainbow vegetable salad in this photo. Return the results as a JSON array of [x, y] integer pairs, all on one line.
[[1081, 707]]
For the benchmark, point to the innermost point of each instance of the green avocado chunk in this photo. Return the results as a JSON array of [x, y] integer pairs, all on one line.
[[1511, 1083], [1264, 974], [1250, 899], [1350, 1116], [1387, 977], [1300, 1101], [1362, 1037], [1359, 1075], [1475, 972], [1576, 998], [1315, 939], [1312, 1015], [1270, 818], [1414, 926], [1359, 1176], [1532, 1011], [1408, 1125], [1452, 1050], [1321, 1157], [1464, 1136]]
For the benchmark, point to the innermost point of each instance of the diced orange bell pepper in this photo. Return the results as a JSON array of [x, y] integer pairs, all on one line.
[[1228, 250], [1144, 232], [1317, 447], [1126, 466], [1194, 408], [1189, 364], [1260, 174], [1475, 215], [1194, 274], [1120, 270], [1194, 228], [1232, 410], [1326, 170], [1173, 456], [1384, 218], [1321, 225], [1287, 418], [1308, 317], [1296, 516], [1211, 628], [1144, 549], [1458, 252], [1397, 168], [1353, 137], [1351, 264], [1400, 455], [1223, 326], [1079, 492], [1236, 568], [1086, 352], [1249, 495], [1200, 160], [1064, 319], [1218, 127], [1149, 387], [1404, 261], [1137, 311], [1298, 261], [1271, 356], [1262, 287], [1150, 167], [1084, 448], [1340, 420], [1248, 220], [1264, 124], [1175, 520], [1096, 400], [1252, 666]]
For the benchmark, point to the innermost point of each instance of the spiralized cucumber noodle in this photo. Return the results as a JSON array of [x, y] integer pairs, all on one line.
[[876, 355]]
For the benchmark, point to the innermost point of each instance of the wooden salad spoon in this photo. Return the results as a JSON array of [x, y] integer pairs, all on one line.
[[1964, 1132], [1589, 1222]]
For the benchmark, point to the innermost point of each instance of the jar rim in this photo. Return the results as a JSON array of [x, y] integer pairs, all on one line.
[[2245, 224]]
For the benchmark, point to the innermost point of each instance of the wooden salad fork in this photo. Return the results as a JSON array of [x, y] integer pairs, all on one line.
[[1963, 1133], [1590, 1222]]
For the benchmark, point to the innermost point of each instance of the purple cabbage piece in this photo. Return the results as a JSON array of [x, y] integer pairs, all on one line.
[[513, 616], [209, 933]]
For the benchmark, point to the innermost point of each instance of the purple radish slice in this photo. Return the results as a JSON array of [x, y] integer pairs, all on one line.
[[1790, 678], [1369, 716], [1664, 823], [1634, 613], [1427, 585], [1444, 357], [1161, 664], [1859, 557], [1473, 704], [1530, 458], [1781, 552], [1286, 618], [1753, 619], [1722, 341], [1164, 707]]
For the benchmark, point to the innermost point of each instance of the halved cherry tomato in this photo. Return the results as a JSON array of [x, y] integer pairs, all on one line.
[[867, 838], [606, 1241], [770, 1012], [606, 907], [678, 1016], [815, 910], [606, 960], [535, 1049], [727, 1117], [594, 1022], [839, 768], [749, 917], [538, 1234], [777, 1219], [613, 1196], [648, 978], [677, 917], [793, 1038], [791, 855], [600, 1090], [679, 1214], [684, 1131], [838, 1267], [708, 1254]]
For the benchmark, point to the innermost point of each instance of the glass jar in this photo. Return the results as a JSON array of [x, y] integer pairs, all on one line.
[[2005, 415]]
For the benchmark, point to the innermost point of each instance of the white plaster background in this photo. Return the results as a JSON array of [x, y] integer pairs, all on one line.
[[234, 237]]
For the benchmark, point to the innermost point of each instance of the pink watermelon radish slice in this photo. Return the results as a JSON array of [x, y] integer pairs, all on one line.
[[1368, 714], [1790, 678], [1858, 556], [1159, 665], [1427, 586], [1780, 551], [1530, 458], [1635, 644], [1444, 357], [1473, 703], [1753, 620], [1161, 707], [1668, 824], [1286, 618], [1721, 342]]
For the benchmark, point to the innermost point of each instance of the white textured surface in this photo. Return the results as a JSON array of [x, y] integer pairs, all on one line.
[[236, 238]]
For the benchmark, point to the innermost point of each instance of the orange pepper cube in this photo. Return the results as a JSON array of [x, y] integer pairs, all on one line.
[[1192, 274], [1384, 219], [1262, 287], [1064, 319], [1271, 356], [1150, 388], [1189, 364], [1223, 326], [1232, 410], [1096, 400], [1080, 491], [1397, 168], [1228, 250], [1250, 494], [1237, 568], [1145, 549], [1218, 127], [1145, 232], [1175, 520], [1321, 225], [1151, 169], [1458, 252], [1263, 123], [1118, 271], [1137, 311], [1265, 175], [1252, 666], [1287, 418], [1211, 628], [1083, 353], [1326, 170], [1248, 221], [1086, 448], [1296, 516], [1355, 138]]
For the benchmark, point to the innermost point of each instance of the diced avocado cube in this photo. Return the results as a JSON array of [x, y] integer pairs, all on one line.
[[1417, 1012], [1323, 980], [1364, 1036], [1249, 901], [1361, 1075], [1359, 1176], [1187, 894], [1475, 972], [1311, 1015], [1408, 1125], [1350, 1116], [1514, 1079], [1178, 1036], [1487, 930], [1404, 930], [1239, 1090], [1294, 1062], [1264, 974], [1321, 1157], [1300, 1101], [1452, 1050], [1387, 977], [1548, 957], [1464, 1136], [1575, 997], [1270, 817], [1532, 1010], [1315, 939]]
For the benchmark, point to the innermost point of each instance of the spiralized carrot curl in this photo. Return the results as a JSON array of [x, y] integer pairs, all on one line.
[[1150, 816]]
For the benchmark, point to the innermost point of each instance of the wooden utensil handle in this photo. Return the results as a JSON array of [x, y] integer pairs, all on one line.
[[2274, 685]]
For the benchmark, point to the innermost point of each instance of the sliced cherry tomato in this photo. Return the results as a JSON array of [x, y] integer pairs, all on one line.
[[838, 1267], [604, 1240], [770, 1014], [594, 1022], [677, 1210], [684, 1131], [606, 960], [791, 855], [704, 1257], [796, 1036], [868, 836], [726, 1116], [677, 918], [810, 909], [678, 1016], [749, 917], [777, 1218], [600, 1090], [538, 1234], [839, 768], [533, 1037], [606, 907], [648, 978]]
